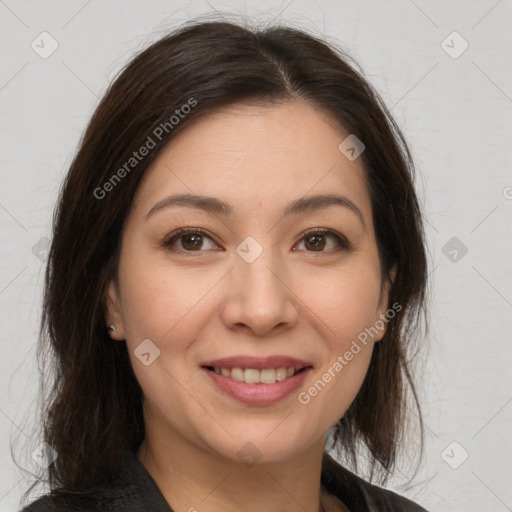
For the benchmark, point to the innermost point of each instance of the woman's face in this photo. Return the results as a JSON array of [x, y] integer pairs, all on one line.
[[260, 286]]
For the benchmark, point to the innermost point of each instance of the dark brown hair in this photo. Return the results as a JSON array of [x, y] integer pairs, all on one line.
[[93, 407]]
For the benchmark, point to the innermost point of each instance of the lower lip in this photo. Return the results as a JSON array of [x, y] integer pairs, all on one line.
[[258, 393]]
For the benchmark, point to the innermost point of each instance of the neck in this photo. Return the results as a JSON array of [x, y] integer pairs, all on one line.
[[194, 479]]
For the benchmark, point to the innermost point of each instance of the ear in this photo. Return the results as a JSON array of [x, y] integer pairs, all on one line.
[[113, 311], [383, 318]]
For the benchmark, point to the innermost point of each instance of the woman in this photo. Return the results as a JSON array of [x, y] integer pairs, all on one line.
[[237, 271]]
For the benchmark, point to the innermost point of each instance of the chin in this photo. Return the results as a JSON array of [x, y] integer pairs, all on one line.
[[272, 442]]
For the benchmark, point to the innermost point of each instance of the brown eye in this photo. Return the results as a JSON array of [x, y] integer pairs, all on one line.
[[188, 240], [315, 242], [318, 240], [191, 242]]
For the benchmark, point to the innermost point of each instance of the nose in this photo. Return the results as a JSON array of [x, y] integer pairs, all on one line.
[[260, 298]]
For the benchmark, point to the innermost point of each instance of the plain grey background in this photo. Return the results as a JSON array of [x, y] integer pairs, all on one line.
[[444, 70]]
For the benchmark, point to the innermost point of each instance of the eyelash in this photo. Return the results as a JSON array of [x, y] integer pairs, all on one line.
[[343, 243]]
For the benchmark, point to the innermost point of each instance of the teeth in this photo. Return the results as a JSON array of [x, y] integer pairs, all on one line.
[[253, 376], [268, 376], [281, 373], [237, 374]]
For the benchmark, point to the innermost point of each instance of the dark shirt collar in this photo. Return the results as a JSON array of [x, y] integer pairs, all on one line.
[[139, 490]]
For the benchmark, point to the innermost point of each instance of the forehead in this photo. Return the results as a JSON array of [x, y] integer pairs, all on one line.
[[259, 155]]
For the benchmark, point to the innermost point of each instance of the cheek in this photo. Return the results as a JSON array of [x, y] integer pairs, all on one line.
[[160, 302], [346, 354], [345, 311], [170, 307], [346, 301]]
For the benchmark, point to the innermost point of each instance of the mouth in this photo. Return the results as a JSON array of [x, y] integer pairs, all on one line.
[[253, 380], [255, 376]]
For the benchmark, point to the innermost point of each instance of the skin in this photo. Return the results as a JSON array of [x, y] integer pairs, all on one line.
[[210, 303]]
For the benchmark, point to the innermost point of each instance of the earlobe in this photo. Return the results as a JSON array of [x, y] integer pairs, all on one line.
[[113, 311], [392, 275], [382, 313], [386, 287]]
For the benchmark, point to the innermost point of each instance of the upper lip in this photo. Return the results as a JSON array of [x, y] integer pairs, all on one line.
[[258, 363]]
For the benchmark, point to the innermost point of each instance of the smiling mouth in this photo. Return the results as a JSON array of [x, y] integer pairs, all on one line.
[[255, 376]]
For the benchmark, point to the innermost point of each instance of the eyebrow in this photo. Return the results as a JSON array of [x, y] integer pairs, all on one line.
[[217, 206]]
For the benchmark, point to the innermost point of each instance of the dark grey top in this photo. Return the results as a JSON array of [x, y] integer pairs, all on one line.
[[136, 491]]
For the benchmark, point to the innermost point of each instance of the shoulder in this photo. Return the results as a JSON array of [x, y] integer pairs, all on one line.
[[132, 490], [360, 495], [77, 503], [117, 498], [380, 499]]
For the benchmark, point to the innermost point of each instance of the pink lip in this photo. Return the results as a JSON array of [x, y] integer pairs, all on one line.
[[258, 393], [258, 363]]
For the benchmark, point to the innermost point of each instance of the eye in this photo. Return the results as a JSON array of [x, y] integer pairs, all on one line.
[[317, 240], [190, 240]]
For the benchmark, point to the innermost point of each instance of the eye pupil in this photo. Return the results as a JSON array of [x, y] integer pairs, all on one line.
[[193, 241], [318, 242], [197, 241]]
